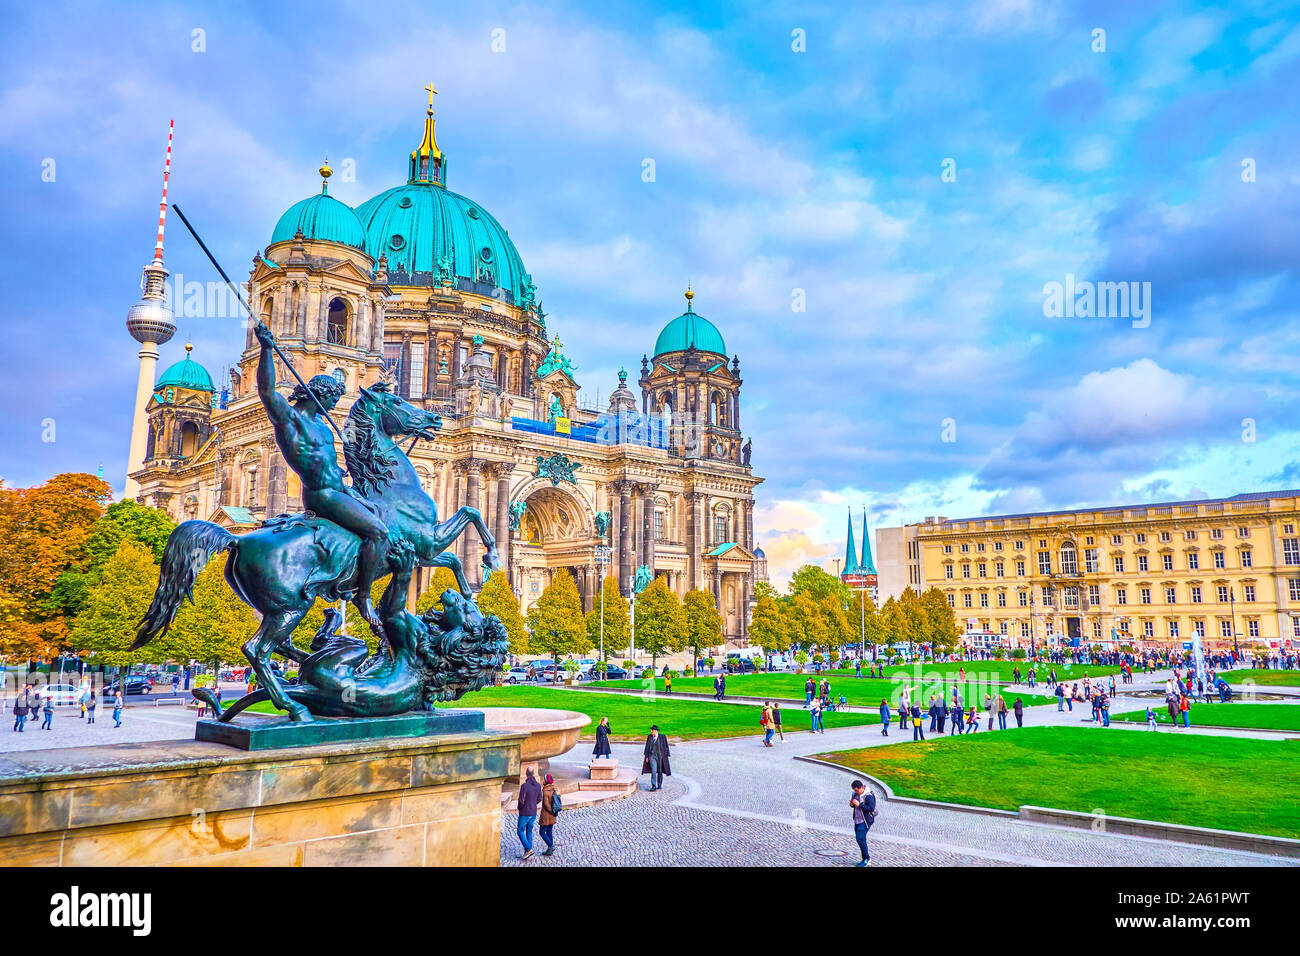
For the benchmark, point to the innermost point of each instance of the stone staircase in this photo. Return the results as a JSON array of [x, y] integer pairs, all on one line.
[[605, 781]]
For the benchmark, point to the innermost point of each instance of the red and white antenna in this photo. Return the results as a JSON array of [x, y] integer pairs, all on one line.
[[162, 207]]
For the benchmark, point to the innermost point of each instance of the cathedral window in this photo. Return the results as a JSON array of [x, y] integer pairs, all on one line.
[[417, 370], [337, 329], [189, 439]]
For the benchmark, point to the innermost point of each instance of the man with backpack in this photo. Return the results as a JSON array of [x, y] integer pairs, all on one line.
[[863, 803]]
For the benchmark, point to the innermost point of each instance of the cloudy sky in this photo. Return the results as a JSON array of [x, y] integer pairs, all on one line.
[[868, 205]]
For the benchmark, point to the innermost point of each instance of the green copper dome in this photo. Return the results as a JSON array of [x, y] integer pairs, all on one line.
[[427, 231], [186, 373], [690, 330], [321, 217]]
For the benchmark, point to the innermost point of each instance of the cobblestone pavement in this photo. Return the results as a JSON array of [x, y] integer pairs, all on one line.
[[735, 803], [140, 722]]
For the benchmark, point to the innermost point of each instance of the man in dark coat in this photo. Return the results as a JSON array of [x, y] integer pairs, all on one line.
[[656, 758], [530, 795]]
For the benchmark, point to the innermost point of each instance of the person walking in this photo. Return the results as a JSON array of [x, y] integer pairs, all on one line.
[[954, 716], [934, 714], [1104, 707], [972, 720], [808, 688], [863, 804], [1151, 719], [1186, 710], [1019, 709], [857, 667], [765, 721], [47, 723], [655, 760], [918, 732], [884, 718], [91, 702], [668, 688], [530, 796], [117, 708], [942, 709], [815, 713], [989, 707], [549, 812], [602, 740], [1060, 698], [1002, 712], [722, 686], [776, 719]]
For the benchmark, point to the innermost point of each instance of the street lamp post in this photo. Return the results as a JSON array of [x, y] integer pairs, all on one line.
[[1232, 605], [602, 561]]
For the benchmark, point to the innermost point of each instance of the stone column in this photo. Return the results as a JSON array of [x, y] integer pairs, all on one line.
[[625, 579], [693, 549], [648, 524], [501, 470]]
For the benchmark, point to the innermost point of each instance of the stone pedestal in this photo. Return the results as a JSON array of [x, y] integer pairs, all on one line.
[[413, 802], [605, 768]]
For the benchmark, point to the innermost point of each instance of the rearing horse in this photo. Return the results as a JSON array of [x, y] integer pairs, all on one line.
[[283, 567]]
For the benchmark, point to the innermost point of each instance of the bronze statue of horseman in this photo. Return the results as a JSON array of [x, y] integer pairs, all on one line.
[[349, 536]]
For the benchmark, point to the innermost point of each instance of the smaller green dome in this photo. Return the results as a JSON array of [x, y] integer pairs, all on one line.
[[690, 330], [321, 217], [187, 373]]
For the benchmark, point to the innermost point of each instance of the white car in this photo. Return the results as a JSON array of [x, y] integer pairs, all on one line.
[[61, 693], [516, 675]]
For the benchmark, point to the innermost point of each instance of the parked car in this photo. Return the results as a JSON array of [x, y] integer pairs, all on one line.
[[612, 672], [61, 693], [134, 685], [515, 675], [740, 665]]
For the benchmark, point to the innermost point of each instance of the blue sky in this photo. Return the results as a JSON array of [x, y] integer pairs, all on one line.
[[776, 171]]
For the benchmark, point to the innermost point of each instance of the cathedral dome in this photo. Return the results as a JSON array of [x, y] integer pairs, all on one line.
[[423, 227], [690, 330], [187, 373], [321, 217]]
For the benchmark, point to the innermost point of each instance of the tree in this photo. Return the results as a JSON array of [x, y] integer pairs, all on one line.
[[149, 527], [911, 617], [498, 598], [838, 632], [865, 618], [807, 622], [703, 622], [768, 627], [556, 622], [355, 625], [114, 606], [817, 584], [763, 588], [43, 533], [615, 616], [940, 620], [660, 621]]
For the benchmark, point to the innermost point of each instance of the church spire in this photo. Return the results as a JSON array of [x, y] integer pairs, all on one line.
[[428, 164], [850, 551], [868, 566]]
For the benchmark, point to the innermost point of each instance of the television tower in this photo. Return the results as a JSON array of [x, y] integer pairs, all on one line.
[[150, 323]]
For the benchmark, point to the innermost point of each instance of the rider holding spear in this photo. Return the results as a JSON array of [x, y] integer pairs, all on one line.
[[306, 438]]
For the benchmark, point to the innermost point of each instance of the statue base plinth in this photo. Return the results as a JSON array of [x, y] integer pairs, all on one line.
[[254, 732]]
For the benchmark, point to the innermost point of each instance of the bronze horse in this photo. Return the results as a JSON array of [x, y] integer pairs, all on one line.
[[283, 567]]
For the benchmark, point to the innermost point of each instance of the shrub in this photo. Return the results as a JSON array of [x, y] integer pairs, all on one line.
[[628, 665], [818, 659], [688, 672], [1018, 654]]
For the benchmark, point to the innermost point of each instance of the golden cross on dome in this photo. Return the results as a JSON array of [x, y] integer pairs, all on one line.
[[557, 343], [431, 92]]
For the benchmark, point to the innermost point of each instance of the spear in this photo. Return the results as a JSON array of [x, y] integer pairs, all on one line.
[[275, 345]]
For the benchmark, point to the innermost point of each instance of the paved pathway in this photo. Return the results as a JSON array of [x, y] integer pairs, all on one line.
[[735, 803], [140, 722]]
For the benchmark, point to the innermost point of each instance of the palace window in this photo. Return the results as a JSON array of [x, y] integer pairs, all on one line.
[[1198, 627], [1116, 539], [950, 601], [1173, 628], [983, 570], [1044, 562], [947, 549], [1094, 594], [1171, 595], [997, 545], [1088, 541], [998, 568], [1219, 559], [1288, 529], [1216, 533], [965, 548], [1165, 536], [947, 571], [1002, 599], [1020, 569], [393, 360], [1148, 629], [984, 600], [1121, 595], [1222, 592], [1245, 558], [1225, 628], [659, 525], [1024, 629], [1140, 538], [1252, 628], [1193, 561], [1002, 627], [1189, 535], [1142, 562], [1096, 629], [1118, 562], [1295, 626], [965, 600], [1294, 587], [1196, 594], [980, 546], [1090, 560], [1145, 595], [965, 570], [1047, 596], [1167, 562], [1020, 546], [1243, 532], [719, 529], [1291, 551], [1249, 592], [1023, 597], [336, 331]]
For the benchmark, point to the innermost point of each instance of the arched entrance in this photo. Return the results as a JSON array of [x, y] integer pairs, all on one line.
[[557, 533]]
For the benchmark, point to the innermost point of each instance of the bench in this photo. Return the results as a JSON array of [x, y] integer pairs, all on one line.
[[169, 700]]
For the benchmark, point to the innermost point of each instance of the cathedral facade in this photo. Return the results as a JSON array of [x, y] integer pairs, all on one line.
[[422, 288]]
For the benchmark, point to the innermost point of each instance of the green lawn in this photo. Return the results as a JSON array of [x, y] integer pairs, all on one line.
[[1263, 677], [1260, 716], [1221, 782], [630, 716], [860, 692]]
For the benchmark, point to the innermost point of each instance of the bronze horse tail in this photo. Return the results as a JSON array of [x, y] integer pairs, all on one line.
[[188, 551]]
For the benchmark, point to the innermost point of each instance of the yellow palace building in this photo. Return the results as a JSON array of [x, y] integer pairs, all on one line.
[[1153, 575]]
